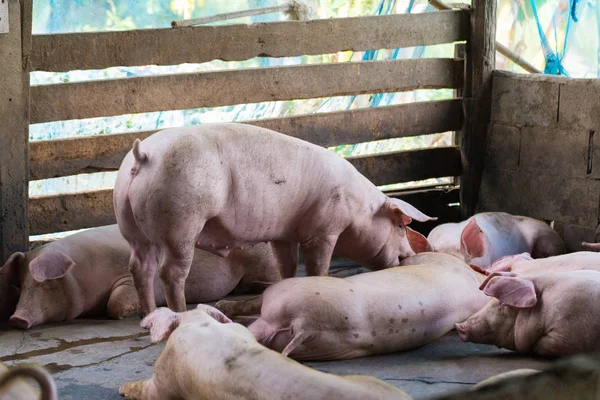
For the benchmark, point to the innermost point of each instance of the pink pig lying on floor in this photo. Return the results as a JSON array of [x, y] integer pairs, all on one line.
[[87, 274], [486, 237], [208, 357], [326, 318], [524, 264], [552, 314], [220, 187]]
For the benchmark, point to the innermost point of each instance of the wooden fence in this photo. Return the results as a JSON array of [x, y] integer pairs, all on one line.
[[20, 105]]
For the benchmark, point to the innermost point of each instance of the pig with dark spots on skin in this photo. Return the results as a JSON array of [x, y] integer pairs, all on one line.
[[486, 237], [207, 357], [550, 314], [87, 274], [219, 187], [400, 308]]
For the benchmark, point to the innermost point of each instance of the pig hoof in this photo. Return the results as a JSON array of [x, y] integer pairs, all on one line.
[[226, 307]]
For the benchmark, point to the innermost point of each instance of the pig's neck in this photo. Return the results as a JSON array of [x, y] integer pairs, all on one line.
[[367, 243], [76, 295]]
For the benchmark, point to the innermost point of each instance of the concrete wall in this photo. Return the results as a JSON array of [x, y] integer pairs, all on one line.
[[543, 152]]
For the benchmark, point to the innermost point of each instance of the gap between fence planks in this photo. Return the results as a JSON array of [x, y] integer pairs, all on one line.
[[112, 97], [65, 212], [63, 157], [98, 50]]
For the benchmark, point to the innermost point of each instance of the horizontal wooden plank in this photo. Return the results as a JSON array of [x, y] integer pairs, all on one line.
[[415, 165], [65, 212], [53, 158], [98, 50], [105, 98]]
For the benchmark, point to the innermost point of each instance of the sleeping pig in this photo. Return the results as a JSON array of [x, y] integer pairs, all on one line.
[[87, 274], [551, 314], [486, 237], [208, 357], [326, 318], [219, 187]]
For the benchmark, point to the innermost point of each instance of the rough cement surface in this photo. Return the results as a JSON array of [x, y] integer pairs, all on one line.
[[90, 358]]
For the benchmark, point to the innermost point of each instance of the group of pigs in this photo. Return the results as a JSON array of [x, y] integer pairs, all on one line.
[[218, 208]]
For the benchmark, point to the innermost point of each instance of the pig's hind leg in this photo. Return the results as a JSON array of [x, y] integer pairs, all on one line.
[[139, 390], [123, 301], [143, 265], [232, 308], [173, 272]]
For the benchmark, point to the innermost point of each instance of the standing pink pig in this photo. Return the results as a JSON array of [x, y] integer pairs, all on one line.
[[326, 318], [225, 186], [486, 237], [552, 314], [87, 274]]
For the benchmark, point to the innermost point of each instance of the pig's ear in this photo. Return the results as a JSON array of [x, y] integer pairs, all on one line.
[[161, 322], [403, 213], [506, 263], [10, 269], [511, 290], [50, 264], [214, 313], [472, 240], [417, 242]]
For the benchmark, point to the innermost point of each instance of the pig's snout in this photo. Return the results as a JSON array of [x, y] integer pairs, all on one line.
[[462, 331], [20, 320]]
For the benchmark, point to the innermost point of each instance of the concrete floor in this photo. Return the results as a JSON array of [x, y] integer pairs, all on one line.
[[91, 358]]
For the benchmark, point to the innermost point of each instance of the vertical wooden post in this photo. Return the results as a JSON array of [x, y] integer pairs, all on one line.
[[14, 129], [477, 93]]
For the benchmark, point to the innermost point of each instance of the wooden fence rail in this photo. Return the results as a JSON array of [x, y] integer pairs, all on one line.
[[98, 50], [112, 97], [63, 157]]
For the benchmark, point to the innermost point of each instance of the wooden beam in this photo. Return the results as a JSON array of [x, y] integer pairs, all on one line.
[[65, 212], [62, 157], [213, 89], [477, 94], [98, 50], [14, 130]]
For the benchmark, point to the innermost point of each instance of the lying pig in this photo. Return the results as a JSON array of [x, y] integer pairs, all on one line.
[[486, 237], [208, 357], [524, 264], [13, 387], [87, 274], [326, 318], [220, 187], [553, 314]]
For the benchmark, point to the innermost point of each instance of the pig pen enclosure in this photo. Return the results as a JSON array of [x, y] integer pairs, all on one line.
[[524, 144]]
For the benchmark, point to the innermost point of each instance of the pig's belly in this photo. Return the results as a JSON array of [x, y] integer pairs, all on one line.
[[368, 340]]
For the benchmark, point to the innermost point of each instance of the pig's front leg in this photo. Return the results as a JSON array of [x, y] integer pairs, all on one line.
[[317, 254], [233, 308], [123, 300]]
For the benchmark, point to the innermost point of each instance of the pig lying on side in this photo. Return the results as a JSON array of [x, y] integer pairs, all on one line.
[[553, 314], [326, 318], [486, 237], [524, 264], [224, 186], [87, 274], [13, 387], [208, 357]]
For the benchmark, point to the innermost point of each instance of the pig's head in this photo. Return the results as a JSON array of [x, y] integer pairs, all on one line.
[[495, 323], [10, 283], [48, 293], [402, 241], [467, 245]]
